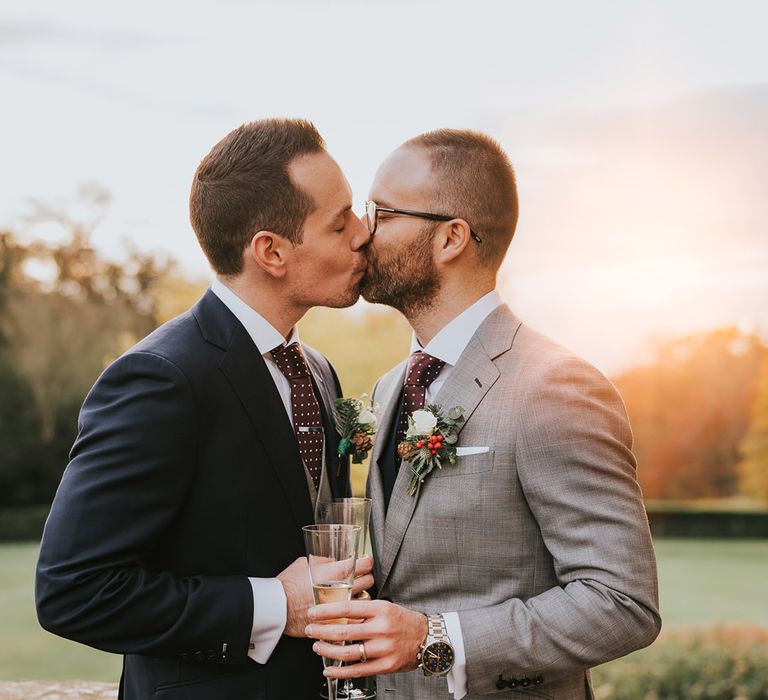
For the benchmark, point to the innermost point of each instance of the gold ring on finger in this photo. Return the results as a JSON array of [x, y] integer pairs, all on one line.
[[361, 647]]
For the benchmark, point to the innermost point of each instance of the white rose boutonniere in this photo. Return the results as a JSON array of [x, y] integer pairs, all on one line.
[[367, 418], [430, 440], [422, 423]]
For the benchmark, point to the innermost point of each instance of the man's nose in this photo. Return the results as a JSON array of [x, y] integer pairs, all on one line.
[[362, 236]]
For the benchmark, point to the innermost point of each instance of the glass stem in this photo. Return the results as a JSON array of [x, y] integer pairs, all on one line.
[[332, 688]]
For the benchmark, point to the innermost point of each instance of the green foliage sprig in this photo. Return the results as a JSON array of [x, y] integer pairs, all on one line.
[[356, 424]]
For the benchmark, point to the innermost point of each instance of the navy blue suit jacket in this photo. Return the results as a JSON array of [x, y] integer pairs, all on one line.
[[184, 480]]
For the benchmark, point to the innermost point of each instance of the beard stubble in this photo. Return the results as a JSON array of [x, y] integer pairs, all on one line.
[[406, 278]]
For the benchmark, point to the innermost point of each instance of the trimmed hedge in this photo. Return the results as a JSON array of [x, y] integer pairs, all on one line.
[[22, 524], [25, 524], [708, 523], [714, 664]]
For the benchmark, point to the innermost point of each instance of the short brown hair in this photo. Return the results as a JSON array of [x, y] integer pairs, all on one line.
[[242, 186], [475, 181]]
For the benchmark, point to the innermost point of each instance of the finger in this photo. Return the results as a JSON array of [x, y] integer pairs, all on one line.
[[363, 565], [348, 652], [361, 670], [347, 608], [337, 633], [362, 583]]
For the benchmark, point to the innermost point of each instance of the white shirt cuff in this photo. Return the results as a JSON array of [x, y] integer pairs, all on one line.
[[457, 676], [269, 617]]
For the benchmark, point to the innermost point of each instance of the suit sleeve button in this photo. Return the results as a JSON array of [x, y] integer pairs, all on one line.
[[538, 680], [199, 656], [501, 683], [525, 682], [512, 683]]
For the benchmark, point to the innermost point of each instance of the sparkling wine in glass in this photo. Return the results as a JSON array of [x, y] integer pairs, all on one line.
[[332, 592], [332, 551]]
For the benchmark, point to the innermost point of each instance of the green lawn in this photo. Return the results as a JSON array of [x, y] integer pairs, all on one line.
[[703, 583], [26, 651], [713, 582]]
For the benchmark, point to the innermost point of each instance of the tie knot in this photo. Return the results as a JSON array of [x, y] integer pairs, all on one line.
[[290, 361], [423, 369]]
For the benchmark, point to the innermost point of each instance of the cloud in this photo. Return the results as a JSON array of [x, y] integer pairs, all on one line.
[[32, 32]]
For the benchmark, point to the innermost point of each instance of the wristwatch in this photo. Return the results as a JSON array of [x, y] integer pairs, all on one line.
[[436, 655]]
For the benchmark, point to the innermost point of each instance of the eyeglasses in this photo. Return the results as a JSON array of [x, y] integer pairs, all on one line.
[[372, 217]]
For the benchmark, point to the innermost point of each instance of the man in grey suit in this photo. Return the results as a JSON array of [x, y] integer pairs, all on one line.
[[529, 560]]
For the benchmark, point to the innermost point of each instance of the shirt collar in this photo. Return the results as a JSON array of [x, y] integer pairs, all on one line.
[[264, 335], [454, 337]]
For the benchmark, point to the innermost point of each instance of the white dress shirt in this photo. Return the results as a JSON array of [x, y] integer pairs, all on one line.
[[447, 346], [269, 603]]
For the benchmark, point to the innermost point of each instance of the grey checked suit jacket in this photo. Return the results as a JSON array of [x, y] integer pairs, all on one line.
[[542, 543]]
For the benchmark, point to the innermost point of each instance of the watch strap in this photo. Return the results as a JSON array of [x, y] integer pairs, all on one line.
[[436, 628]]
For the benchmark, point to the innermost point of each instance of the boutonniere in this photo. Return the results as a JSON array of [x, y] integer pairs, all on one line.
[[356, 424], [430, 440]]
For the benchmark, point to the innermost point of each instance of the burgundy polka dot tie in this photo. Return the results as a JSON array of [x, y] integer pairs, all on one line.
[[307, 419], [422, 371]]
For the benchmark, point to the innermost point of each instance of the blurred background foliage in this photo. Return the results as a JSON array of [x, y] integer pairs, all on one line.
[[718, 664], [699, 410]]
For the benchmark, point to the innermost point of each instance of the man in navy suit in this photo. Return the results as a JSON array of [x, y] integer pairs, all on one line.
[[175, 535]]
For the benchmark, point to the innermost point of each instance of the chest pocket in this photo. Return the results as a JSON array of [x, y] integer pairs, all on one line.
[[466, 464]]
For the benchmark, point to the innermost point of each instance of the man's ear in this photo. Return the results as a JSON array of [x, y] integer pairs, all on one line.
[[269, 251], [454, 239]]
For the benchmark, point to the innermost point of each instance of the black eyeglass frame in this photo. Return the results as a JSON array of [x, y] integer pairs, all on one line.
[[407, 212]]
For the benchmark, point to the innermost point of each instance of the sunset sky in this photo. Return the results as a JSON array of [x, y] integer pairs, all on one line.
[[638, 131]]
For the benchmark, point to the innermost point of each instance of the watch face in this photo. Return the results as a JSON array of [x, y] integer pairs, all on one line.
[[438, 658]]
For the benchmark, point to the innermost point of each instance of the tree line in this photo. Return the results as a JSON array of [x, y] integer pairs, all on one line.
[[699, 411]]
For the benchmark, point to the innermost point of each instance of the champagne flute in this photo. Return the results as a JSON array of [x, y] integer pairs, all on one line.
[[332, 551], [350, 511]]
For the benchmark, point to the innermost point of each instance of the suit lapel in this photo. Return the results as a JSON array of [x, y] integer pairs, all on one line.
[[248, 374], [388, 396], [466, 386], [469, 381], [250, 379]]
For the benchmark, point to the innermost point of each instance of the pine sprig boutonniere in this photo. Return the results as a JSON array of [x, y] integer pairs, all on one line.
[[430, 440], [356, 424]]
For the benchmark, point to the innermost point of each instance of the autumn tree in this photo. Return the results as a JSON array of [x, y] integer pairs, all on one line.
[[753, 469], [65, 313], [690, 410]]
